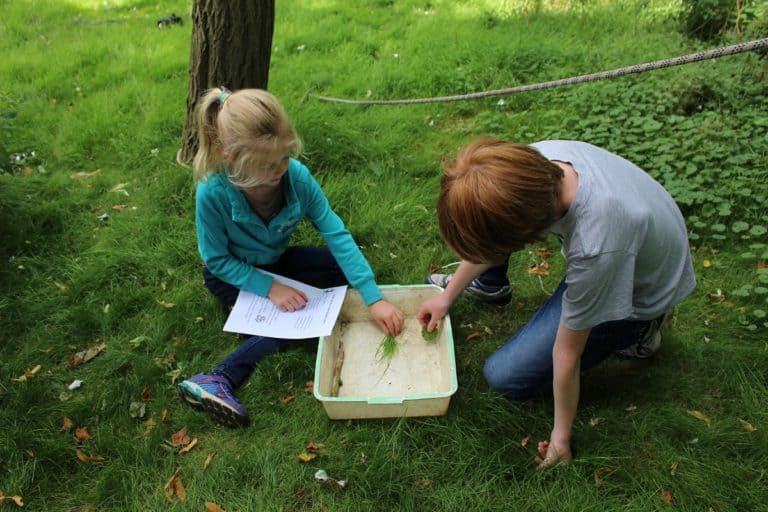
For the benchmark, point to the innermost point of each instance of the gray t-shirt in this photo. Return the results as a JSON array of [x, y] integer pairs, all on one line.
[[624, 240]]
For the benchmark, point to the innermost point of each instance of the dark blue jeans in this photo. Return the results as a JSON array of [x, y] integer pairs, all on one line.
[[522, 366], [310, 265]]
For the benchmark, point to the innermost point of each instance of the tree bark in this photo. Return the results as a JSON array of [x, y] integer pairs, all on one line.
[[231, 46]]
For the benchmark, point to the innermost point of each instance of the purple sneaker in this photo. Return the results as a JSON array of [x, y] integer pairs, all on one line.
[[213, 394]]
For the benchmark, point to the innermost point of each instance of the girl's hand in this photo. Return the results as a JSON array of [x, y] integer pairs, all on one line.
[[552, 453], [432, 311], [286, 298], [389, 318]]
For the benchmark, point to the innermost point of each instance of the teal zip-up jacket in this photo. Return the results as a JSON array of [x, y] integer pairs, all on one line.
[[232, 239]]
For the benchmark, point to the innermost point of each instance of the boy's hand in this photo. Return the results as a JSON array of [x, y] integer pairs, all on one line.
[[286, 298], [553, 453], [389, 318], [432, 311]]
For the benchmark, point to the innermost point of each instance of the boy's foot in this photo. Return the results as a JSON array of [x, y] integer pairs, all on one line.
[[213, 394], [648, 345], [489, 294]]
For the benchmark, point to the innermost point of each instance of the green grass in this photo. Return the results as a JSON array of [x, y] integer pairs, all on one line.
[[95, 87]]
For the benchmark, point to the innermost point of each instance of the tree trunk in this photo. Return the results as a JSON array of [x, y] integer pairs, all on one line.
[[231, 46]]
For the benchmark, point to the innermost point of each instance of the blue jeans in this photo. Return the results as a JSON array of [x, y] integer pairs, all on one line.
[[522, 367], [496, 276], [310, 265]]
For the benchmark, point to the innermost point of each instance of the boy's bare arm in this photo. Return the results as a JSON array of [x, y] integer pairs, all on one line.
[[433, 310], [566, 359]]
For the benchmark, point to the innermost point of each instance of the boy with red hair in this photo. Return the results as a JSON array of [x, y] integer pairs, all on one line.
[[628, 261]]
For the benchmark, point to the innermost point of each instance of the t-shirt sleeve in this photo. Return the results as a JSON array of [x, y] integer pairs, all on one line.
[[599, 289]]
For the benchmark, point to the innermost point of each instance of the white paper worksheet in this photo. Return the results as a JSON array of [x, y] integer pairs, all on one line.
[[257, 315]]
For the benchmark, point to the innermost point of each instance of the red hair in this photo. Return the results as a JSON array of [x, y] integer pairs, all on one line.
[[496, 197]]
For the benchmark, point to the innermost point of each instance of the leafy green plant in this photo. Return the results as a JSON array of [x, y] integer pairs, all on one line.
[[429, 336]]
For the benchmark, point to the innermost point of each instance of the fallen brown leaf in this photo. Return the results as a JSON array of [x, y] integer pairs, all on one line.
[[66, 425], [525, 441], [315, 448], [208, 460], [189, 447], [82, 434], [84, 356], [174, 487], [212, 507], [472, 336], [164, 416], [699, 416], [146, 394], [16, 499], [666, 495], [166, 305], [600, 474], [305, 457], [287, 398], [150, 423], [180, 438], [86, 459], [28, 374], [747, 426]]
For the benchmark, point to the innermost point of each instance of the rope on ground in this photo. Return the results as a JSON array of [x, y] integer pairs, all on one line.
[[733, 49]]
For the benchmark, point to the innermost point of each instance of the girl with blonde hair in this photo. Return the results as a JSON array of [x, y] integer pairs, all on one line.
[[251, 194]]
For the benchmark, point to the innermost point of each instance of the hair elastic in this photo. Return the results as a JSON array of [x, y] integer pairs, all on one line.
[[223, 95]]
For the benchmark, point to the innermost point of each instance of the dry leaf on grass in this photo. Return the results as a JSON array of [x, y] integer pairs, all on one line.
[[146, 394], [84, 356], [287, 398], [316, 448], [305, 457], [66, 425], [16, 499], [525, 441], [747, 426], [208, 460], [472, 336], [82, 434], [212, 507], [666, 495], [699, 416], [166, 305], [174, 487], [600, 475], [87, 459], [28, 374], [188, 447], [673, 468], [180, 438], [150, 423]]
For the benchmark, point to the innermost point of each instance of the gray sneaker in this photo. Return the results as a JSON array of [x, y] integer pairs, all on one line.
[[648, 345], [498, 295]]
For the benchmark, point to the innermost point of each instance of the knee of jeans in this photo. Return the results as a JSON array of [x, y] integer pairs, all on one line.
[[508, 382]]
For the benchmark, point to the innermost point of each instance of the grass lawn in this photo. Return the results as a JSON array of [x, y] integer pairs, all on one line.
[[98, 249]]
